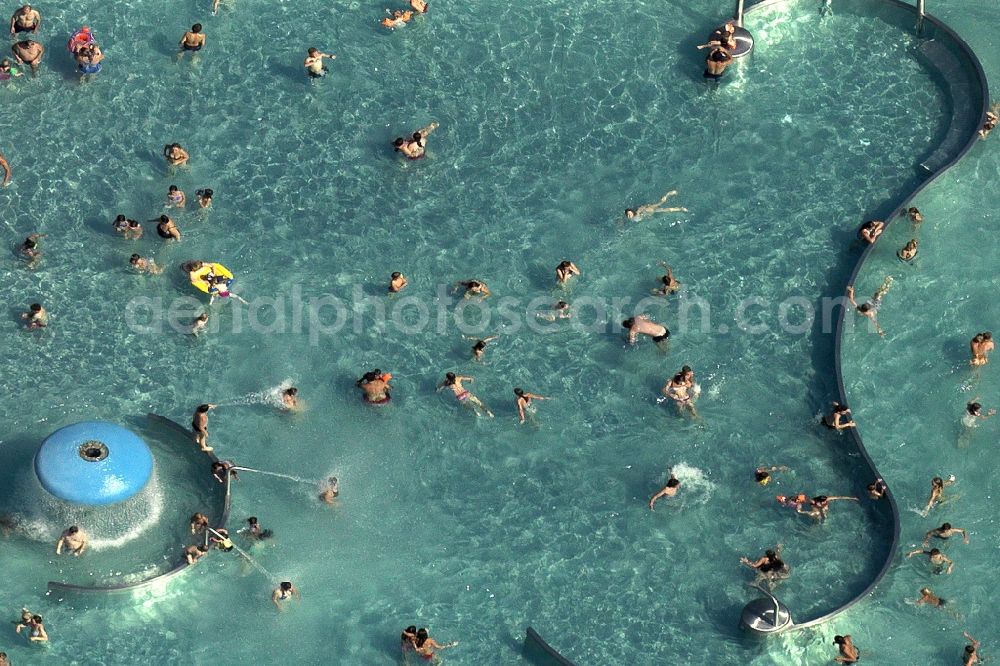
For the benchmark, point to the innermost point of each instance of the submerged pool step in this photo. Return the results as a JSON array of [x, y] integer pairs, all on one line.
[[956, 79]]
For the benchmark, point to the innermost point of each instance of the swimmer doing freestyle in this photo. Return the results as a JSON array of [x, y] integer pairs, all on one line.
[[463, 395]]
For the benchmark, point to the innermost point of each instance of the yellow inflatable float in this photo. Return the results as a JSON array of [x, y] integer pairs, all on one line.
[[212, 279]]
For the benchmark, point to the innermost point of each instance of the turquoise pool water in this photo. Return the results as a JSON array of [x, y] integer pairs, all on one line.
[[554, 117]]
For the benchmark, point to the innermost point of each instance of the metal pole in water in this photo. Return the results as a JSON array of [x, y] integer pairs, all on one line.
[[739, 12], [920, 15]]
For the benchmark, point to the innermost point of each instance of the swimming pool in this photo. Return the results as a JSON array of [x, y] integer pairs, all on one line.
[[554, 117]]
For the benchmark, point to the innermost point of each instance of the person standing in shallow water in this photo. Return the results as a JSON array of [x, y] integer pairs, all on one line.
[[199, 423], [283, 592], [980, 347], [75, 541], [314, 63], [193, 40], [848, 652], [6, 170]]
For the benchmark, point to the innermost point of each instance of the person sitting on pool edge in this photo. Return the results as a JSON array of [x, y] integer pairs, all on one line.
[[194, 553], [314, 63], [716, 62], [193, 40], [870, 231], [835, 420], [724, 36]]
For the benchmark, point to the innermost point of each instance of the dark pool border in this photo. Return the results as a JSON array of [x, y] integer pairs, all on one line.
[[224, 504], [534, 642], [854, 433]]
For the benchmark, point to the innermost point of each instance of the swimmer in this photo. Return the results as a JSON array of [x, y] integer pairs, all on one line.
[[25, 19], [193, 40], [35, 627], [835, 420], [29, 249], [221, 467], [8, 524], [120, 225], [870, 231], [992, 117], [284, 591], [166, 229], [290, 398], [88, 59], [331, 490], [848, 652], [971, 655], [523, 401], [724, 36], [762, 475], [929, 598], [28, 52], [199, 324], [641, 212], [669, 285], [946, 531], [909, 251], [474, 288], [715, 64], [643, 325], [396, 19], [143, 265], [175, 155], [870, 308], [937, 490], [770, 566], [314, 63], [133, 230], [6, 170], [255, 531], [463, 395], [424, 645], [220, 538], [36, 317], [175, 197], [199, 423], [415, 147], [7, 71], [916, 217], [204, 197], [564, 271], [408, 639], [397, 282], [935, 557], [877, 489], [419, 6], [375, 387], [668, 490], [74, 539], [199, 523], [819, 506], [981, 346], [680, 389], [194, 553], [4, 661], [479, 349], [559, 310], [973, 413], [793, 502]]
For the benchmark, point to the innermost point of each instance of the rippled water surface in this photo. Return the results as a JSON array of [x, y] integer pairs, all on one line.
[[553, 118]]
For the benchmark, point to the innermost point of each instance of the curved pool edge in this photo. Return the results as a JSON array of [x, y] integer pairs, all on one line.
[[979, 75], [160, 578], [539, 652]]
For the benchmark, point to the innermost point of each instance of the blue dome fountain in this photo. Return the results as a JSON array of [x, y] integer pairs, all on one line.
[[93, 463]]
